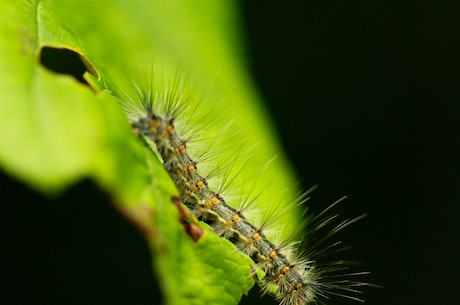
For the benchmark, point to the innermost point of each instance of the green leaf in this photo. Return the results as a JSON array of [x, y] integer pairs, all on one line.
[[56, 131]]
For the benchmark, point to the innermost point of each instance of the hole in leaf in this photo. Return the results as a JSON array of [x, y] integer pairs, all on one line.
[[66, 61]]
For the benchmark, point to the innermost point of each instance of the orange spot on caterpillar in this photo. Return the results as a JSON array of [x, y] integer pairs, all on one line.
[[283, 272], [155, 123], [201, 185], [296, 288], [188, 170], [211, 202], [286, 269], [180, 149], [236, 218], [256, 237], [168, 130]]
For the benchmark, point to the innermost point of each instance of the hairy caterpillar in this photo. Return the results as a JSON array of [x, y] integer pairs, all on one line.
[[293, 278], [249, 236]]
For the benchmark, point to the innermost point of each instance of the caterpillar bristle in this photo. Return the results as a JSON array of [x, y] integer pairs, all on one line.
[[292, 276]]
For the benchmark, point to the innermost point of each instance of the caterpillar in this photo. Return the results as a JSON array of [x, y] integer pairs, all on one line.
[[292, 278]]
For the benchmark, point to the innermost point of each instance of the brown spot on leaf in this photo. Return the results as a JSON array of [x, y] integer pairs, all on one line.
[[188, 221]]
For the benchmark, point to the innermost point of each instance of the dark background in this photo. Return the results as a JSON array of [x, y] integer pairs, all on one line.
[[364, 95]]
